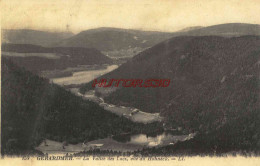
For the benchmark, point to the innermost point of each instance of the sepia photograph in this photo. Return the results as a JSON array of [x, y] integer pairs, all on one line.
[[139, 80]]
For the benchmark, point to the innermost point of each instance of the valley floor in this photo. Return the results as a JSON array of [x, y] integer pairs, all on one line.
[[133, 114], [86, 75]]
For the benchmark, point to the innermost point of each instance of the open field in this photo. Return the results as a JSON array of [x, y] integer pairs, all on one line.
[[145, 117], [54, 147], [123, 53]]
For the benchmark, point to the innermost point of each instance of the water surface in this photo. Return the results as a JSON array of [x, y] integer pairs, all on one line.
[[83, 76]]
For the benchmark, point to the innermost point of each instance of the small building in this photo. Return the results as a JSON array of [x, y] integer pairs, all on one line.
[[135, 111], [91, 146]]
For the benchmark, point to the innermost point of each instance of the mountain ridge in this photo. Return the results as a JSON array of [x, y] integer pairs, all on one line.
[[117, 42]]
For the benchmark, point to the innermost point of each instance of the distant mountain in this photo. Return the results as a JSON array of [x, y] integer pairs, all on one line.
[[109, 39], [127, 43], [33, 110], [190, 28], [27, 36], [228, 30], [213, 79], [65, 56], [122, 43], [115, 42]]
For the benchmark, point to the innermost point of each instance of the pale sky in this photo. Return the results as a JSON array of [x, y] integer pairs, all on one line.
[[159, 15]]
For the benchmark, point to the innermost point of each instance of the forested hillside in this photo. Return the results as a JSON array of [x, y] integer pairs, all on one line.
[[33, 110], [213, 80], [240, 136]]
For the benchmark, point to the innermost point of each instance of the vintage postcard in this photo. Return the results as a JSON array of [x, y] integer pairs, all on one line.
[[138, 82]]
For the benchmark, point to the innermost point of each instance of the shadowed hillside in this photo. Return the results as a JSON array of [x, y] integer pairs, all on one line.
[[213, 80], [237, 137]]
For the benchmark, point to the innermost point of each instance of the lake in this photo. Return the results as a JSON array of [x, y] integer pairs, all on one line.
[[162, 139], [81, 77], [122, 143]]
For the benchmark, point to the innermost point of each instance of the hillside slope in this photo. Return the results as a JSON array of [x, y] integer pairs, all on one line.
[[33, 110], [213, 79]]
